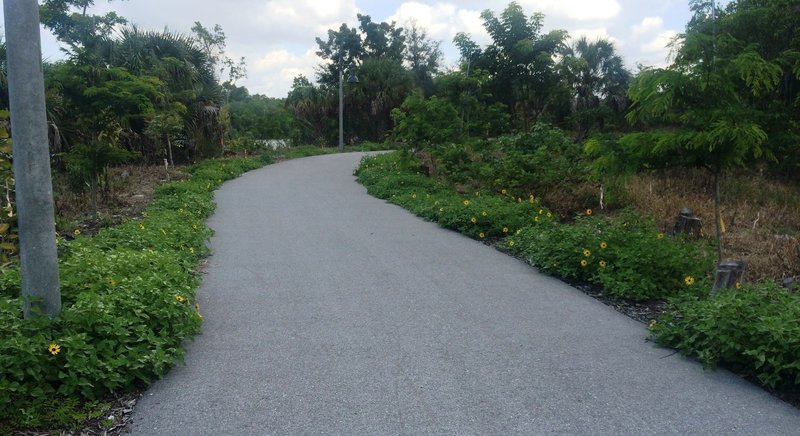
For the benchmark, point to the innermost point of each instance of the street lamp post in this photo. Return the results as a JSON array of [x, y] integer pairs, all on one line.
[[351, 79]]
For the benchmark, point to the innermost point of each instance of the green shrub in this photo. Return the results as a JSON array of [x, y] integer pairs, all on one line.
[[754, 331], [127, 304], [626, 255]]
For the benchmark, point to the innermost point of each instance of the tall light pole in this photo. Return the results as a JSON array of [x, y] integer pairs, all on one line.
[[31, 151], [351, 79]]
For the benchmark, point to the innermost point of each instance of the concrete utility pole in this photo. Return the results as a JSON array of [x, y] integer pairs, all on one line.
[[31, 151]]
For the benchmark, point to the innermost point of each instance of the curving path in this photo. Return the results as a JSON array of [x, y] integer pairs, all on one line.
[[328, 311]]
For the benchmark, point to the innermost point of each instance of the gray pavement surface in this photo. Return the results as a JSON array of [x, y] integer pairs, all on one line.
[[327, 311]]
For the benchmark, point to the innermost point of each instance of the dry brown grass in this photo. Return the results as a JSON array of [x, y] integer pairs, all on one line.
[[130, 191], [762, 217]]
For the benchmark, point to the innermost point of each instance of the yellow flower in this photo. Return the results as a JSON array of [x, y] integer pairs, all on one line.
[[141, 226], [588, 212], [180, 298], [536, 218], [482, 235], [504, 192], [519, 199], [602, 264], [194, 226], [510, 243], [541, 211], [652, 324], [196, 306], [441, 209], [660, 236], [474, 220], [111, 282], [484, 213], [76, 232], [584, 263], [54, 348], [738, 285], [531, 197], [689, 280], [586, 252], [466, 202], [603, 245], [505, 229], [191, 250], [414, 195], [549, 215], [180, 210]]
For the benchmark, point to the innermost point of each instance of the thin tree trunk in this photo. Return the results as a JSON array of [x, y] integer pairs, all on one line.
[[169, 147], [718, 215], [93, 188]]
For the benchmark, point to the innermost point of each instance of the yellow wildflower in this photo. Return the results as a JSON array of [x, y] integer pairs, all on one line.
[[141, 226], [536, 218], [77, 232], [602, 264], [510, 243], [466, 202], [738, 285], [180, 298], [194, 226], [191, 250], [652, 324], [473, 220], [660, 236], [111, 282], [584, 263], [482, 235], [603, 245], [505, 229], [689, 280], [414, 195], [549, 215], [54, 348], [588, 212], [484, 213], [586, 252], [504, 192]]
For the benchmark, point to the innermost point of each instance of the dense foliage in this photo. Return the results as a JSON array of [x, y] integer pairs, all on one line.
[[128, 303]]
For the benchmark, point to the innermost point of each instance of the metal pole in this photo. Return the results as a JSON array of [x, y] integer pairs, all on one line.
[[31, 151], [341, 110]]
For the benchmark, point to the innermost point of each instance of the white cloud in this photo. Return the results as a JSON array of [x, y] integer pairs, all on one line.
[[593, 35], [660, 43], [272, 73], [582, 10], [647, 25]]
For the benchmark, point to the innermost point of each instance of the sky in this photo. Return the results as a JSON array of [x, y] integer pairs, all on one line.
[[277, 37]]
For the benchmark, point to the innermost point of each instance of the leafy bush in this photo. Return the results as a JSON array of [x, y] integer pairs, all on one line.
[[626, 255], [753, 331], [128, 303]]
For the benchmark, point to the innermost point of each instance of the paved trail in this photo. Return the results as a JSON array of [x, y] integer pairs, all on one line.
[[328, 311]]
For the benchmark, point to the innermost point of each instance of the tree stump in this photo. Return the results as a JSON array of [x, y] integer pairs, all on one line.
[[728, 275], [687, 223]]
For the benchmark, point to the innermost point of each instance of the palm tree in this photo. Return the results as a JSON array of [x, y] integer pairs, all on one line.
[[599, 82]]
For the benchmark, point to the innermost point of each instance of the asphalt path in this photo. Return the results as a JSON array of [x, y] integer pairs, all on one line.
[[327, 311]]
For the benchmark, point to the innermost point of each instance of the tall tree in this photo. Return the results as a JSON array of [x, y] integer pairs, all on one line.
[[343, 48], [381, 40], [708, 101], [422, 56], [599, 83], [522, 61]]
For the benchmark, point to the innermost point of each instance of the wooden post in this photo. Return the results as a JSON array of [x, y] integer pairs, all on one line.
[[729, 274], [687, 223]]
